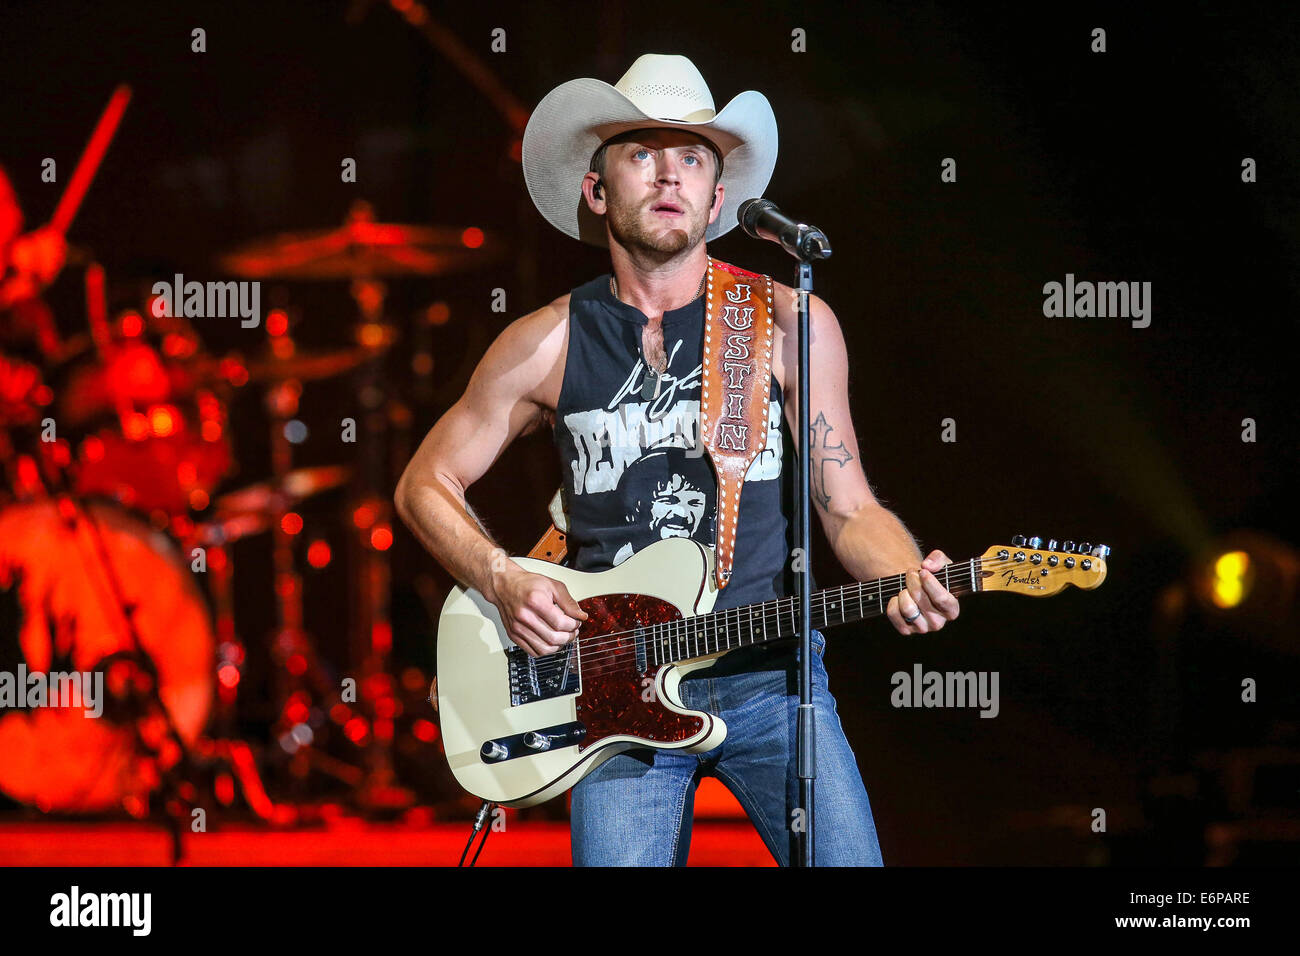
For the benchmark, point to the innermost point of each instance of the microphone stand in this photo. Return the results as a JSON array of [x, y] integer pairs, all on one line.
[[761, 219], [806, 726]]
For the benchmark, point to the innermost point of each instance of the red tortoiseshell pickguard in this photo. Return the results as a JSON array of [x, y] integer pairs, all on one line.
[[613, 689]]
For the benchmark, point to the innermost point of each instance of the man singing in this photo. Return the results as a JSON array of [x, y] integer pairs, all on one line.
[[648, 169]]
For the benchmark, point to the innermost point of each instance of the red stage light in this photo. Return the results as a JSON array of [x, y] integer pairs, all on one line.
[[132, 324], [162, 420], [296, 665], [135, 426], [277, 322], [291, 523], [364, 516], [92, 449], [355, 730], [381, 637], [425, 730], [28, 474], [472, 237], [228, 674], [381, 538], [198, 499], [318, 553]]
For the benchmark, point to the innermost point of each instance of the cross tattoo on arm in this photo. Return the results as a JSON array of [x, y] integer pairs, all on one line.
[[822, 452]]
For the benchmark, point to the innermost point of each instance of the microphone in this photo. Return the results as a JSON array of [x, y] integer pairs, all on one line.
[[762, 220]]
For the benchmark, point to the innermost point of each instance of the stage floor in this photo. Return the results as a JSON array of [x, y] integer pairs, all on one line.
[[343, 843]]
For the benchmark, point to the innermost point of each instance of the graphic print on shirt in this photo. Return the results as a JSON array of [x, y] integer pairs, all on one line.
[[645, 454]]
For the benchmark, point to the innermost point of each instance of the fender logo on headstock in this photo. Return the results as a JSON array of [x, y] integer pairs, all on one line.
[[1029, 580]]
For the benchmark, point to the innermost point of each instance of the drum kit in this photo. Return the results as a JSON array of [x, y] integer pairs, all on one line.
[[116, 547]]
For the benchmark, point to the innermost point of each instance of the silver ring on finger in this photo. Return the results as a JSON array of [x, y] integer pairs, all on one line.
[[909, 620]]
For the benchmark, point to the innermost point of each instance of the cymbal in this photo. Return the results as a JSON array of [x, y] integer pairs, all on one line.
[[360, 249], [309, 366], [251, 510]]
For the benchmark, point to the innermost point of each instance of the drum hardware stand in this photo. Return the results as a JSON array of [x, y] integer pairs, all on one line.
[[172, 783], [291, 641], [372, 626]]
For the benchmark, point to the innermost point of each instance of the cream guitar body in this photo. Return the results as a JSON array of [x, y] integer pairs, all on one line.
[[671, 579]]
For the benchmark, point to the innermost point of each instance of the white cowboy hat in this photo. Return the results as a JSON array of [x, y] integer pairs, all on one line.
[[659, 91]]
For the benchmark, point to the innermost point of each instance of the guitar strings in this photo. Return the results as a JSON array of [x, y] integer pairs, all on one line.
[[595, 653], [689, 630], [696, 629], [596, 663]]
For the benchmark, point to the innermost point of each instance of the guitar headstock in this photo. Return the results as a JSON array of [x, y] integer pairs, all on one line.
[[1026, 566]]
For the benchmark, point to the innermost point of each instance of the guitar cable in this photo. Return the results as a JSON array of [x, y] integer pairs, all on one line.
[[479, 819]]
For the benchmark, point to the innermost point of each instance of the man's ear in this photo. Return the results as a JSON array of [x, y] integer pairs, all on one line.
[[719, 194], [597, 192]]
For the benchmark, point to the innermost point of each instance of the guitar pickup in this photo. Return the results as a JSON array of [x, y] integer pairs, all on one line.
[[541, 678]]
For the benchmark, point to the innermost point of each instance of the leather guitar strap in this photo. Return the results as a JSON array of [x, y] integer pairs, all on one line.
[[738, 312], [734, 397]]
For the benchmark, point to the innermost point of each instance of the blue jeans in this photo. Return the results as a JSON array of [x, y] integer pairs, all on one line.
[[636, 808]]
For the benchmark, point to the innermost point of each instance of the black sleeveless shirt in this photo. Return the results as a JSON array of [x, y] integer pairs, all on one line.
[[633, 469]]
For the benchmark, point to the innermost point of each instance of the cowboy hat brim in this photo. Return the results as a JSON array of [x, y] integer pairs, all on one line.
[[572, 121]]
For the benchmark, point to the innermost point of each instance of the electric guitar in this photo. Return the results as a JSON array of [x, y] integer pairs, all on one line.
[[519, 730]]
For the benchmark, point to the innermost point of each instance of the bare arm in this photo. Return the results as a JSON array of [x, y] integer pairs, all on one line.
[[868, 539], [500, 403]]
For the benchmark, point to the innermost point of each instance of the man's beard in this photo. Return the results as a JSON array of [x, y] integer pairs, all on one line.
[[630, 229]]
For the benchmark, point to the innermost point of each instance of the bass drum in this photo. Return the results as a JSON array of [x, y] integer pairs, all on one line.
[[58, 613]]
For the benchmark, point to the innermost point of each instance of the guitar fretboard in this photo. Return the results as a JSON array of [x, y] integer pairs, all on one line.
[[779, 619]]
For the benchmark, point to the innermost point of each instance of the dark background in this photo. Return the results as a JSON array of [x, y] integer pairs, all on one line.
[[1122, 166]]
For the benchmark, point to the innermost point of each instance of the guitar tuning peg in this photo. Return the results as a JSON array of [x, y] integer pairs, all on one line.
[[1018, 540], [1101, 551], [1084, 548], [1068, 546], [1051, 544], [1035, 542]]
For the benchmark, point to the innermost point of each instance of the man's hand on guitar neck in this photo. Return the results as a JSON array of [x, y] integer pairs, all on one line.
[[926, 601], [539, 613]]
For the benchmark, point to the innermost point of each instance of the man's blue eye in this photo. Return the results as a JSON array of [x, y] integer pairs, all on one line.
[[694, 157], [639, 152]]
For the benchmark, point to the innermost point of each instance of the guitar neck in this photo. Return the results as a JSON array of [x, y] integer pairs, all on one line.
[[779, 619]]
